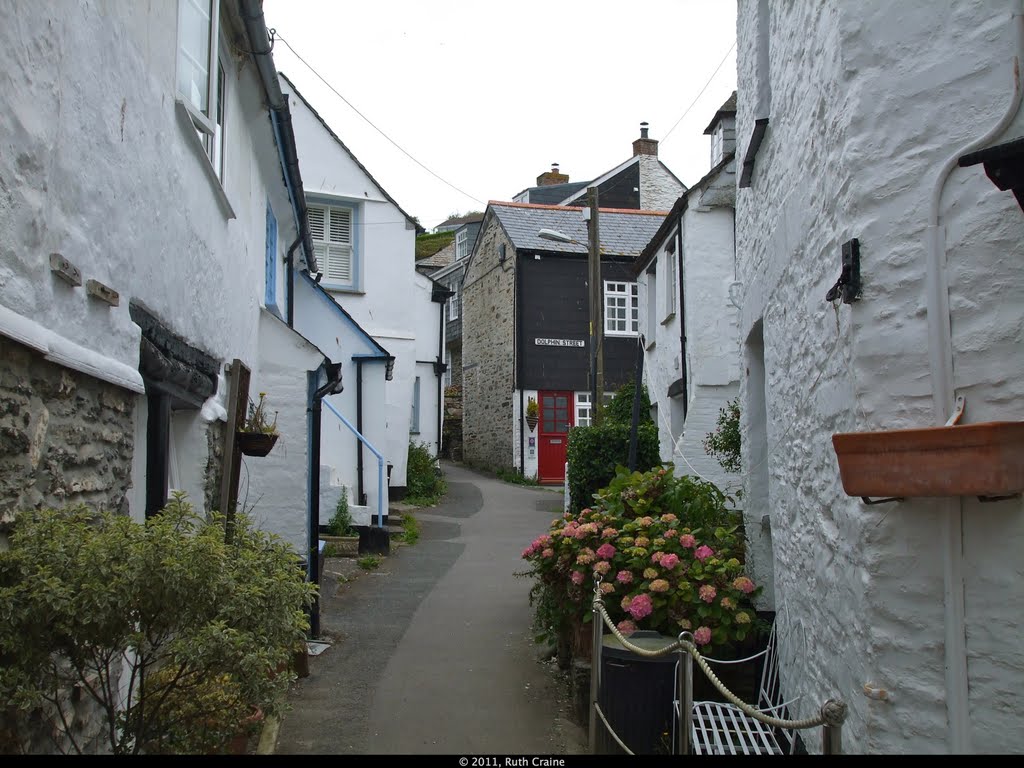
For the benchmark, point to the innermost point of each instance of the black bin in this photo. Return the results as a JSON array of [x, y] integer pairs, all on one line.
[[636, 695]]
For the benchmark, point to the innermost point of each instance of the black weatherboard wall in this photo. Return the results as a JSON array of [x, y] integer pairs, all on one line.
[[555, 304]]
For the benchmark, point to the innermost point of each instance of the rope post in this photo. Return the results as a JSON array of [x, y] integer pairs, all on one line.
[[833, 713], [684, 695], [595, 662]]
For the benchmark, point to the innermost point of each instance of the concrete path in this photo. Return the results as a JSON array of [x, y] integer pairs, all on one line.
[[433, 653]]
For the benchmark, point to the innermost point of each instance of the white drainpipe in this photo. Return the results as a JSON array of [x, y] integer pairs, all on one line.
[[940, 359]]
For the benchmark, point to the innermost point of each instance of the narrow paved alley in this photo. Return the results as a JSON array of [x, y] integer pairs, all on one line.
[[433, 652]]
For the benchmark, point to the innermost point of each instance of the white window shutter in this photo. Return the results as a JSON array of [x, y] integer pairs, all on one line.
[[316, 223]]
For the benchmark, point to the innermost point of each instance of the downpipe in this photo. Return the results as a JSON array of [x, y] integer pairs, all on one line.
[[940, 360]]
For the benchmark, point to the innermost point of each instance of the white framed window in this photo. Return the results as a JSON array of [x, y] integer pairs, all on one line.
[[621, 309], [652, 304], [215, 144], [582, 409], [717, 143], [331, 229], [198, 34], [453, 303], [670, 284], [461, 244]]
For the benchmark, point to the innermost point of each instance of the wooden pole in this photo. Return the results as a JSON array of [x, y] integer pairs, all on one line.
[[596, 310], [238, 400]]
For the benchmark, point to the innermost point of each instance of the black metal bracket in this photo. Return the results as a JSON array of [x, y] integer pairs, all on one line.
[[986, 499], [872, 502], [1004, 165], [848, 285]]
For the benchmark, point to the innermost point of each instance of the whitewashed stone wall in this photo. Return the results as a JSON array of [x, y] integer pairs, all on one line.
[[659, 190], [867, 101]]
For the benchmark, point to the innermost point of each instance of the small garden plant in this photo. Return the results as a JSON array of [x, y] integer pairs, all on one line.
[[370, 562], [424, 482], [340, 523]]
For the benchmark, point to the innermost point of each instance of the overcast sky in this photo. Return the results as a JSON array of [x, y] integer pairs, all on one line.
[[488, 95]]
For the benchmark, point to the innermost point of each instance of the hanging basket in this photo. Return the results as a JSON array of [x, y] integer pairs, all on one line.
[[531, 422], [984, 460], [255, 443]]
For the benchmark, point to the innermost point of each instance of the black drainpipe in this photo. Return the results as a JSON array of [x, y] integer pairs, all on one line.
[[682, 310], [359, 427], [439, 369], [290, 277]]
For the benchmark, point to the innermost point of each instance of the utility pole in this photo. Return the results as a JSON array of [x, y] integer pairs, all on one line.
[[596, 308]]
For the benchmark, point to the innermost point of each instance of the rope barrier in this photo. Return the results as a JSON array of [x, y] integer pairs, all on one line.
[[833, 712], [608, 727]]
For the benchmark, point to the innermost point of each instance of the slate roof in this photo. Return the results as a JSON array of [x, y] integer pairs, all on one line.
[[729, 108], [552, 194], [454, 222], [623, 232]]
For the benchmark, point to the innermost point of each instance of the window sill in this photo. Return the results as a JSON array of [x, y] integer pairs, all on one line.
[[669, 318], [620, 335], [340, 288], [193, 140]]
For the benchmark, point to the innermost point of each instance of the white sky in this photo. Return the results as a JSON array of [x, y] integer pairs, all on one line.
[[488, 95]]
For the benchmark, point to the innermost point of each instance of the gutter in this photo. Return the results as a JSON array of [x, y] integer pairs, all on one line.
[[281, 119]]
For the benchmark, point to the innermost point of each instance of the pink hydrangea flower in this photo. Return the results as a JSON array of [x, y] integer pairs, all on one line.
[[656, 557], [702, 636], [687, 540], [703, 552], [670, 561], [640, 606], [728, 603], [626, 627], [650, 573], [645, 522], [624, 577], [585, 556], [577, 577], [743, 584], [607, 587], [659, 585], [671, 533], [708, 593], [602, 567], [625, 602], [606, 551], [609, 533], [668, 517], [642, 541], [549, 552]]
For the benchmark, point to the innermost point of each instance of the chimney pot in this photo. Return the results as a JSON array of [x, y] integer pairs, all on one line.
[[645, 145], [643, 130]]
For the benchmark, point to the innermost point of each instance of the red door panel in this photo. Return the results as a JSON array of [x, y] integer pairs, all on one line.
[[556, 410]]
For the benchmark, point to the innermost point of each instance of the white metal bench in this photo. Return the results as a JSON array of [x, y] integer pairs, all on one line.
[[720, 728]]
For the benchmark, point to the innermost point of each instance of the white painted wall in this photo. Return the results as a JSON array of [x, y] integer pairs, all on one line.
[[98, 165], [712, 367], [867, 101], [427, 316], [388, 302]]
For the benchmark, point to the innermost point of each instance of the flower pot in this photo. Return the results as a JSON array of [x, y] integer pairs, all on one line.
[[966, 460], [255, 443], [531, 422]]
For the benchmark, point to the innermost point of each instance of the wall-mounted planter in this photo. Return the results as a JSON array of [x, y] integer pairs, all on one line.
[[256, 443], [984, 460]]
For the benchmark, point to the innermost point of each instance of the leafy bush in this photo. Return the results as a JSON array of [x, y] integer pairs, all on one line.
[[166, 612], [596, 451], [410, 529], [724, 442], [424, 483], [668, 556], [369, 562], [340, 523]]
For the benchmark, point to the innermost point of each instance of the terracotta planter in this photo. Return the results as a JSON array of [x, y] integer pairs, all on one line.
[[969, 460], [255, 443]]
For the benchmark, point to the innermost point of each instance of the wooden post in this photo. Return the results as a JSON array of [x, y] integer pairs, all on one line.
[[238, 401], [596, 309]]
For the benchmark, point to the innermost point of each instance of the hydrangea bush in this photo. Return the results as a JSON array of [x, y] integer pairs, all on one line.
[[666, 552]]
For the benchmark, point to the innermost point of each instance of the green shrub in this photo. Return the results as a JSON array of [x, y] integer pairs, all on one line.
[[620, 409], [724, 442], [170, 602], [424, 483], [595, 452], [369, 562], [410, 529], [340, 523]]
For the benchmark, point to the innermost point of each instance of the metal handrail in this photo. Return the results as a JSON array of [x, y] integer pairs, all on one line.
[[375, 452]]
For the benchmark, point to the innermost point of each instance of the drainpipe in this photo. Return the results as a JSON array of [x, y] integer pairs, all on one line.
[[333, 386], [440, 369], [940, 361], [359, 428], [290, 275], [682, 310]]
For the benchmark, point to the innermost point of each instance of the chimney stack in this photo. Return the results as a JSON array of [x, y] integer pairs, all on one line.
[[552, 177], [644, 145]]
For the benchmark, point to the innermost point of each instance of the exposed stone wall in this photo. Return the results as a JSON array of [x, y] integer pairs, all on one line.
[[659, 190], [868, 100], [65, 437], [214, 464], [451, 444], [488, 350]]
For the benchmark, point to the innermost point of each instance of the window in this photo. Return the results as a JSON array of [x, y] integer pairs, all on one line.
[[621, 309], [197, 58], [461, 244], [447, 369], [652, 303], [670, 285], [717, 143], [582, 409], [270, 260], [414, 424], [331, 228], [453, 302], [215, 144]]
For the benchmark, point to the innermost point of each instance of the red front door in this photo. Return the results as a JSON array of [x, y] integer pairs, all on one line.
[[555, 420]]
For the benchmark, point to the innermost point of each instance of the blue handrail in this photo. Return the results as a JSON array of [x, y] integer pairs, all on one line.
[[375, 452]]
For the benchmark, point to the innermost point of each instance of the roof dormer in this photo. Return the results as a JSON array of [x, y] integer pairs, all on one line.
[[722, 130]]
